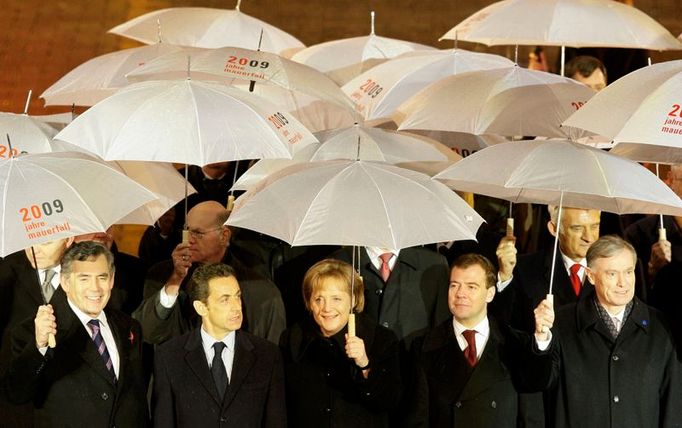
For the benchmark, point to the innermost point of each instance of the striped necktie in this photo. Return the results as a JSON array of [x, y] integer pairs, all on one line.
[[101, 346]]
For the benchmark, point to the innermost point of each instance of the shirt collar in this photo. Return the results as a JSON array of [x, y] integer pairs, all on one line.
[[375, 252], [207, 340], [85, 318], [482, 328], [568, 262]]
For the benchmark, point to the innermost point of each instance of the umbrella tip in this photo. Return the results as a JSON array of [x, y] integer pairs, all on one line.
[[239, 3], [371, 15]]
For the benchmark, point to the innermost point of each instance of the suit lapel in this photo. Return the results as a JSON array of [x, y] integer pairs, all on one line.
[[121, 332], [196, 360], [243, 361]]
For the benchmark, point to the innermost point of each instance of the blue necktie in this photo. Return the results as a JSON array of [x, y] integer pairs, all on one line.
[[101, 346]]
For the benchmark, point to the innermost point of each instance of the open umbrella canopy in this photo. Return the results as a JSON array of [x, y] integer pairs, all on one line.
[[547, 171], [102, 76], [231, 64], [354, 203], [641, 112], [380, 90], [27, 134], [359, 143], [204, 27], [51, 195], [576, 23], [187, 122], [345, 59], [507, 101]]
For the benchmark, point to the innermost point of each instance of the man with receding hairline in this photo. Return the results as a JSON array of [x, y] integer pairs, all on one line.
[[166, 311]]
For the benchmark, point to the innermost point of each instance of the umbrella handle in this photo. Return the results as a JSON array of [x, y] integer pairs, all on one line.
[[230, 203], [550, 298], [351, 325], [185, 236], [662, 235], [510, 227], [51, 341]]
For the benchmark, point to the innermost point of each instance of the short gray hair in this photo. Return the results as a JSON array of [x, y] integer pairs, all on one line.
[[608, 246], [86, 251]]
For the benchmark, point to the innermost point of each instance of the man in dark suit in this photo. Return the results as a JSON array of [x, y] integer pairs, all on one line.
[[166, 311], [93, 376], [470, 368], [405, 290], [614, 362], [218, 375], [521, 286]]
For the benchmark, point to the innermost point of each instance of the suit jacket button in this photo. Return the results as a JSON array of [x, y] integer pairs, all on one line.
[[379, 292], [616, 399], [493, 405], [615, 358], [458, 404], [327, 410], [385, 324], [105, 396], [223, 419]]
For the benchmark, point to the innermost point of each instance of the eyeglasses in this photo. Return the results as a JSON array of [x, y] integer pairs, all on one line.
[[199, 235]]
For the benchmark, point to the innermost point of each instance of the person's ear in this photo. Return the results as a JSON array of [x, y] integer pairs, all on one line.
[[551, 227], [490, 294], [200, 307], [590, 275]]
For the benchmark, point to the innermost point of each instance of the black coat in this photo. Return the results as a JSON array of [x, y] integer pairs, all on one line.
[[530, 285], [185, 394], [70, 386], [326, 389], [450, 393], [264, 313], [633, 381], [415, 296]]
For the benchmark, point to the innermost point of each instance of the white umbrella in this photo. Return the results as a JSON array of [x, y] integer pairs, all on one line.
[[344, 59], [508, 101], [51, 196], [359, 143], [207, 28], [354, 203], [160, 178], [379, 91], [543, 171], [641, 112], [231, 64], [565, 174], [26, 134], [102, 76], [577, 23], [188, 122]]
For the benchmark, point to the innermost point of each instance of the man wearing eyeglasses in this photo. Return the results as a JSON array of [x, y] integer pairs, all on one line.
[[166, 311]]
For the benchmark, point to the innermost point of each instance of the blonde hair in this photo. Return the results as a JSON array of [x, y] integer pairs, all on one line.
[[332, 268]]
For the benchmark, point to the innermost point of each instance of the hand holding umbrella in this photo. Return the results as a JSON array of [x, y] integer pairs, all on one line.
[[355, 349], [45, 326]]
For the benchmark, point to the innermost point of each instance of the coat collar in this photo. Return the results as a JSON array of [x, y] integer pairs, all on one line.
[[307, 331], [587, 317]]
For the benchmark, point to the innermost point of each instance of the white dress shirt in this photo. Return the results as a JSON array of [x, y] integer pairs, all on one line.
[[374, 254], [207, 342], [55, 279], [501, 285], [481, 337]]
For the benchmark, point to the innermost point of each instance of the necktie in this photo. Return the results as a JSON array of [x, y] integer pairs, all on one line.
[[218, 369], [616, 323], [385, 270], [46, 286], [575, 278], [470, 351], [101, 346]]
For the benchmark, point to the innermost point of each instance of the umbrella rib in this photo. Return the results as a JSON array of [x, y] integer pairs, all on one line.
[[310, 205], [198, 129]]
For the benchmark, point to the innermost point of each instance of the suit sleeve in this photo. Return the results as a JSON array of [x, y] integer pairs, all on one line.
[[383, 387], [23, 378], [163, 405], [275, 407]]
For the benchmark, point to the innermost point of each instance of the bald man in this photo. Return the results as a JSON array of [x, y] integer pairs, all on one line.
[[166, 311]]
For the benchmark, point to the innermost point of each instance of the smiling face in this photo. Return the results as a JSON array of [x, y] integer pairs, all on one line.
[[89, 284], [614, 280], [330, 305], [469, 294]]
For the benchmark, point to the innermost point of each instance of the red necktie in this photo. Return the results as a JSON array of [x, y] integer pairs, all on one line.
[[575, 278], [385, 270], [470, 351]]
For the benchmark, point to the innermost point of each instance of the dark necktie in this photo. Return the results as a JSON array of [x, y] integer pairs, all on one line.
[[385, 270], [46, 287], [101, 346], [575, 278], [470, 351], [218, 369]]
